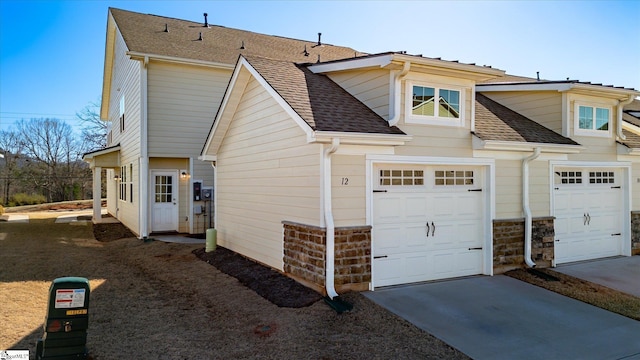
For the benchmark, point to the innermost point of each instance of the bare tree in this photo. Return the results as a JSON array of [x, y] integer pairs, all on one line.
[[51, 144], [94, 130], [11, 149]]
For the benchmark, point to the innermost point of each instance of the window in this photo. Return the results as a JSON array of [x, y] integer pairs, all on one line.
[[164, 189], [453, 177], [131, 183], [126, 183], [602, 177], [592, 120], [568, 177], [121, 114], [435, 105], [401, 177], [123, 183]]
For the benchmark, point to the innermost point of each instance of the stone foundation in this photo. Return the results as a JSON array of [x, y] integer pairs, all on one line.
[[635, 233], [305, 250], [508, 243]]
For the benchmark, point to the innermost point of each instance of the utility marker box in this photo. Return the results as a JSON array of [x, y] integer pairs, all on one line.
[[67, 320]]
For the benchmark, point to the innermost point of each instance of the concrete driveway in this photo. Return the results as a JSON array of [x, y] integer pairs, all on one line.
[[503, 318], [619, 273]]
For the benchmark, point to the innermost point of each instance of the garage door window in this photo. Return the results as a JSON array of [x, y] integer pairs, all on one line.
[[453, 177], [601, 177], [390, 177], [569, 177]]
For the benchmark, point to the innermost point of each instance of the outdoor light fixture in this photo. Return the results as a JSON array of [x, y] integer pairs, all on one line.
[[183, 174], [117, 178]]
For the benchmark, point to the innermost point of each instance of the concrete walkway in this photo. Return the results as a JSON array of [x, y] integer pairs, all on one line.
[[178, 239], [619, 273], [503, 318]]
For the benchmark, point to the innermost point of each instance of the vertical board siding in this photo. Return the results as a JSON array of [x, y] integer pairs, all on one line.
[[543, 107], [183, 101], [126, 82], [348, 182], [371, 87], [267, 173]]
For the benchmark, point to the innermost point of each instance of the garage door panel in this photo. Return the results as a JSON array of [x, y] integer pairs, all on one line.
[[390, 239]]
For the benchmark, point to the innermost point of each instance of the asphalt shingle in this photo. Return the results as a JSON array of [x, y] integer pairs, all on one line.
[[322, 103], [499, 123], [145, 33]]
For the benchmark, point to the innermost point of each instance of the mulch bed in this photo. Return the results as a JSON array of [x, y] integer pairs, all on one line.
[[106, 232], [582, 290], [268, 283]]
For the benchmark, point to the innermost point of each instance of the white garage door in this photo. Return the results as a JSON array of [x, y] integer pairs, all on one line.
[[589, 213], [427, 223]]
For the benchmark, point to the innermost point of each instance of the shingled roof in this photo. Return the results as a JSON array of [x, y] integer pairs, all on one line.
[[499, 123], [630, 110], [145, 34], [319, 101]]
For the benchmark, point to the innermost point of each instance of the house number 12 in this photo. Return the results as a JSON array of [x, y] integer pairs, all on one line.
[[345, 181]]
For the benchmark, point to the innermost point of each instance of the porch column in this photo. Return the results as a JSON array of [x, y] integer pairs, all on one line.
[[97, 194]]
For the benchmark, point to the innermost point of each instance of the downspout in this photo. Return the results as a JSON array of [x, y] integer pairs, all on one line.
[[396, 91], [621, 104], [215, 194], [143, 171], [328, 219], [525, 207]]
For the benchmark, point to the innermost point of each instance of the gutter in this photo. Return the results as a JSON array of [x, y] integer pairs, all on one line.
[[525, 207], [621, 104], [328, 218], [395, 92]]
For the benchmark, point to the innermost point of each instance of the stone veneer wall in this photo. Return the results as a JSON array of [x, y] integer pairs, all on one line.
[[635, 233], [508, 243], [304, 256]]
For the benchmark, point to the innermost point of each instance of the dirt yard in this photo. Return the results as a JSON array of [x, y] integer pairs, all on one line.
[[154, 300]]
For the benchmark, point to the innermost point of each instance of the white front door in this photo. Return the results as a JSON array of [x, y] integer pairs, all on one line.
[[589, 213], [164, 202], [428, 223]]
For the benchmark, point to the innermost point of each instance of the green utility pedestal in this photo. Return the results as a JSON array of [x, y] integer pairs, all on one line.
[[67, 320]]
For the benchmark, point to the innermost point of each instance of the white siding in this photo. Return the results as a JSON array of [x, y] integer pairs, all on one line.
[[369, 86], [126, 82], [348, 189], [544, 108], [267, 173], [183, 101]]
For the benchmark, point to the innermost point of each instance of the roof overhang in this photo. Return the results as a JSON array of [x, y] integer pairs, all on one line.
[[107, 75], [359, 138], [497, 145], [106, 158], [134, 55], [588, 89], [394, 61]]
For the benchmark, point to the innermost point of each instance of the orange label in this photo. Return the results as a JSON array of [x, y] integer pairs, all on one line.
[[77, 312]]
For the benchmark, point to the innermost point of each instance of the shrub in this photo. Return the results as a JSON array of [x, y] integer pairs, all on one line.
[[26, 199]]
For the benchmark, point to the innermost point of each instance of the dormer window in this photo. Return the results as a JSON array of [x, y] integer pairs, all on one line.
[[592, 120], [435, 105]]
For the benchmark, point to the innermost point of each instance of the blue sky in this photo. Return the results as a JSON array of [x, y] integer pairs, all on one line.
[[52, 52]]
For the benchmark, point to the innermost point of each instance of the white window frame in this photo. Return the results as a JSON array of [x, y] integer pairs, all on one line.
[[121, 114], [122, 185], [592, 132], [410, 118]]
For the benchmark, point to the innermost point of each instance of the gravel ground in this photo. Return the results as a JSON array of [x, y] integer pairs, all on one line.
[[158, 301]]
